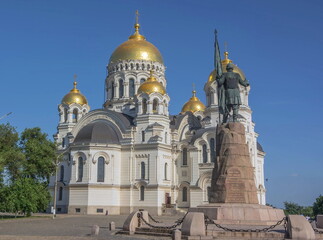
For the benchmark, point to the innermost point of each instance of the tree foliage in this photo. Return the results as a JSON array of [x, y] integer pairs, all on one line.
[[25, 195], [295, 209], [292, 208], [39, 153], [11, 157], [318, 206], [27, 163]]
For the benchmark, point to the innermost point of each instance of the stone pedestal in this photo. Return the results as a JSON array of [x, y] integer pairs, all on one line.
[[242, 214], [233, 174], [233, 196]]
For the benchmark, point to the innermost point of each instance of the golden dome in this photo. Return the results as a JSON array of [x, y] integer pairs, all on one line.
[[193, 105], [74, 96], [151, 86], [224, 63], [136, 48]]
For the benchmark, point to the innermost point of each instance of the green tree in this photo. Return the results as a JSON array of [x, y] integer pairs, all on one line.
[[318, 206], [292, 208], [27, 162], [39, 153], [25, 195], [11, 157], [308, 211]]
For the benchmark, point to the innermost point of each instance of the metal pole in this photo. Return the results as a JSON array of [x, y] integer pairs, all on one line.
[[6, 115], [55, 185], [55, 189]]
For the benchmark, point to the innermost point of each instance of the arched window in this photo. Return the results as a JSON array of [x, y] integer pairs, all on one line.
[[143, 170], [61, 177], [208, 191], [144, 106], [142, 193], [184, 194], [142, 80], [65, 115], [112, 90], [155, 106], [212, 146], [60, 194], [101, 169], [165, 171], [120, 88], [184, 156], [204, 154], [212, 98], [143, 136], [80, 169], [131, 87], [75, 115]]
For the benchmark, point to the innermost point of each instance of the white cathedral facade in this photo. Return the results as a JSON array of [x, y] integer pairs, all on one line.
[[132, 153]]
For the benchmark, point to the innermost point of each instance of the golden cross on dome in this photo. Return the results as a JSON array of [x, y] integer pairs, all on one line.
[[75, 83], [194, 92], [225, 46], [137, 16]]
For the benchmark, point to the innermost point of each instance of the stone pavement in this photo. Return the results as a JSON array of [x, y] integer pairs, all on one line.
[[74, 227], [68, 227]]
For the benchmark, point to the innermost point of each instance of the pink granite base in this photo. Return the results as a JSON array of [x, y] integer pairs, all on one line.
[[244, 214]]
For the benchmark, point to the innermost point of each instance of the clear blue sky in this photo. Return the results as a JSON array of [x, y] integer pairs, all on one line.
[[278, 44]]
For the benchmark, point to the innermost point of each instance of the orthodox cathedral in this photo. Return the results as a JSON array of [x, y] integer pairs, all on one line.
[[132, 153]]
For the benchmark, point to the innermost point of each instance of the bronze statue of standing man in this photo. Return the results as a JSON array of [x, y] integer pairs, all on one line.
[[229, 93]]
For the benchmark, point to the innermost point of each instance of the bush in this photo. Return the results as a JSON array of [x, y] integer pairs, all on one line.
[[318, 206]]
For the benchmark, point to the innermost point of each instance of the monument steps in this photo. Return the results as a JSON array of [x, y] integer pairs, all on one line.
[[245, 235], [154, 231]]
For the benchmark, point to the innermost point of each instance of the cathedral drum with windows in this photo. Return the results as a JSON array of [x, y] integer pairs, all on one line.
[[132, 153]]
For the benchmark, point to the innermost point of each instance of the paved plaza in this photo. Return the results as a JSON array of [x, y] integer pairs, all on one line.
[[68, 227], [73, 227]]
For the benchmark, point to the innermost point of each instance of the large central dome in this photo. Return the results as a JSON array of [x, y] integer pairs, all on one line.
[[136, 48]]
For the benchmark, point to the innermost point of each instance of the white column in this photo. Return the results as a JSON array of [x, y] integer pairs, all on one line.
[[149, 107], [61, 116], [137, 84], [116, 89], [126, 89], [139, 107], [160, 108], [69, 116]]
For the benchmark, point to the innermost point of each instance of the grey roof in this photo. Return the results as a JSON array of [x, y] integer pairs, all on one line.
[[127, 120], [97, 132], [175, 120], [200, 132], [193, 122], [259, 147]]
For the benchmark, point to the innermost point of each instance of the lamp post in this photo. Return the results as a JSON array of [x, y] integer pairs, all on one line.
[[55, 184], [6, 115]]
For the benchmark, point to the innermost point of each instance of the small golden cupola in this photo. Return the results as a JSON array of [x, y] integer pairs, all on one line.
[[151, 86], [74, 96], [193, 105], [224, 63], [136, 48]]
